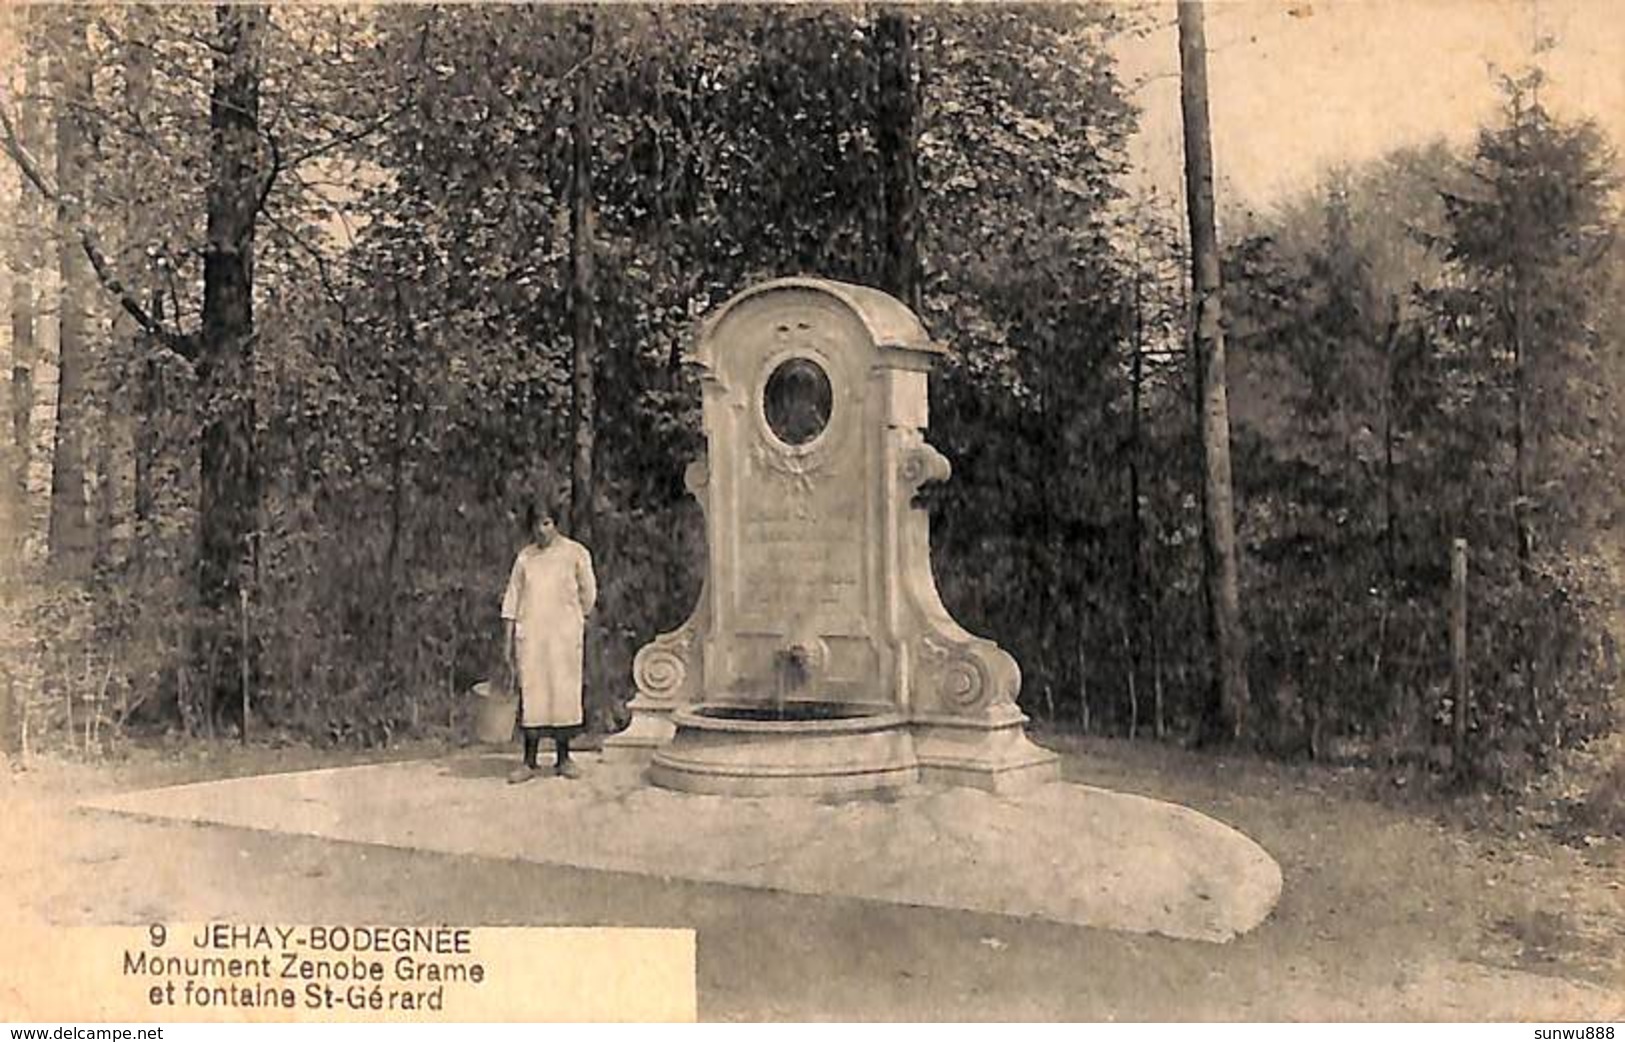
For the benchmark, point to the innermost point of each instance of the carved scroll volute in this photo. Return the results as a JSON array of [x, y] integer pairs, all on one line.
[[955, 682], [664, 669], [959, 675], [919, 465], [965, 677]]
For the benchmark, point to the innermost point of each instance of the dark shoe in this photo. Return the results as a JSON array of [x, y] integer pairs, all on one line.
[[567, 769], [522, 773]]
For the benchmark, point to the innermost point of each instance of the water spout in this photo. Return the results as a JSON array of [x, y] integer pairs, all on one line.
[[790, 675]]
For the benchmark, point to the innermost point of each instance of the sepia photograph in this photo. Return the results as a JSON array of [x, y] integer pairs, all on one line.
[[1099, 512]]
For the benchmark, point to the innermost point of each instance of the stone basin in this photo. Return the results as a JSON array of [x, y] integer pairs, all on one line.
[[801, 747], [793, 713]]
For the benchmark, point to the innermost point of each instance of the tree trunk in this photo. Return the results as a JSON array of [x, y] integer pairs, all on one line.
[[229, 506], [1389, 528], [1084, 709], [71, 539], [1460, 690], [1520, 422], [143, 374], [583, 305], [584, 331], [1517, 310], [897, 110], [397, 515], [1227, 708], [123, 373], [1160, 722], [1133, 689], [1136, 537], [113, 437], [1390, 556], [149, 406], [25, 259], [1516, 303], [401, 439]]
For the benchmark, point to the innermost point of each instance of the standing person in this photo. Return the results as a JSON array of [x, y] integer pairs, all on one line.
[[550, 593]]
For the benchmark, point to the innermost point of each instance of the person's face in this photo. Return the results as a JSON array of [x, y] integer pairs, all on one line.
[[546, 528]]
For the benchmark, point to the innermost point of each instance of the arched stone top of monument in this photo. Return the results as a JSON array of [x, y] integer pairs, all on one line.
[[888, 322]]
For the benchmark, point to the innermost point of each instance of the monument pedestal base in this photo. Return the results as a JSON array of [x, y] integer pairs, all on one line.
[[737, 751], [993, 756], [728, 750]]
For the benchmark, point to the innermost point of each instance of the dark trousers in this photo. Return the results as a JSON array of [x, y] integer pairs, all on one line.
[[561, 741]]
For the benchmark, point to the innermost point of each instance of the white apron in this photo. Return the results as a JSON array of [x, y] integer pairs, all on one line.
[[549, 593]]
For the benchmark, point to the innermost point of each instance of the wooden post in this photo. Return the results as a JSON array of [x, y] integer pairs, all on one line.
[[1458, 654]]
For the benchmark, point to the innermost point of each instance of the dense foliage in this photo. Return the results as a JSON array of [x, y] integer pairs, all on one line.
[[412, 357], [1438, 355]]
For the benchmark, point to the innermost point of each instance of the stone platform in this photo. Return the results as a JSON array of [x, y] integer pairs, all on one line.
[[1060, 852]]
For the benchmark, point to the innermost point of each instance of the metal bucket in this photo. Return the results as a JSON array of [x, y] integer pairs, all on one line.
[[496, 713]]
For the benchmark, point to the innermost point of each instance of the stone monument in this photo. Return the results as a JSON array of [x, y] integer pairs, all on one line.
[[820, 657]]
